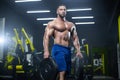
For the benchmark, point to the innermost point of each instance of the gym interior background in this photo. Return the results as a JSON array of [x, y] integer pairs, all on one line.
[[98, 28]]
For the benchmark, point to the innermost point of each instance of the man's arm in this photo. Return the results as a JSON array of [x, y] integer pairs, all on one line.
[[76, 41], [48, 32]]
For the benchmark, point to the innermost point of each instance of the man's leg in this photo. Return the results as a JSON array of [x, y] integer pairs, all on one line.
[[62, 75]]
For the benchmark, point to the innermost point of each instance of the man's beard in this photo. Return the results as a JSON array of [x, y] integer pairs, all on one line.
[[62, 16]]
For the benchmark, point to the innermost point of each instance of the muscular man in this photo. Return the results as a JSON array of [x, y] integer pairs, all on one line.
[[62, 31]]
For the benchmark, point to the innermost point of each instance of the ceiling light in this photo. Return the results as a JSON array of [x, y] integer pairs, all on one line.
[[40, 11], [85, 9], [45, 18], [82, 17], [77, 23], [17, 1], [44, 24]]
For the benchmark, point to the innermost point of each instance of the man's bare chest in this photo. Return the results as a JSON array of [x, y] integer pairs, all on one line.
[[61, 27]]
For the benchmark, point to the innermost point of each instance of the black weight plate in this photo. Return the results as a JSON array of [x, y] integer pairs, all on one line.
[[48, 69]]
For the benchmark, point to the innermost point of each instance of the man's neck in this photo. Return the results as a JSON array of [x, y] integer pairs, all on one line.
[[62, 19]]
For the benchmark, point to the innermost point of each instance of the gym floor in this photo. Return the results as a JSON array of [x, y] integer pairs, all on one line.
[[94, 78]]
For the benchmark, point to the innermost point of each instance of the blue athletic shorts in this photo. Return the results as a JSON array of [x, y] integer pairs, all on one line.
[[62, 57]]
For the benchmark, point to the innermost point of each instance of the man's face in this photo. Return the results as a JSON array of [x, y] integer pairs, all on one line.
[[61, 11]]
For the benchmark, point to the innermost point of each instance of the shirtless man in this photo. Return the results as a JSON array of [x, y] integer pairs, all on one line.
[[61, 30]]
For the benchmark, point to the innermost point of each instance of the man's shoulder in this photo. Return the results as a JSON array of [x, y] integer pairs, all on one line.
[[70, 23], [51, 23]]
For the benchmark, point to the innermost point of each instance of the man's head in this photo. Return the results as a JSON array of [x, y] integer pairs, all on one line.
[[61, 11]]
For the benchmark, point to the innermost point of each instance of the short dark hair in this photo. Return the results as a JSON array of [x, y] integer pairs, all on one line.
[[61, 5]]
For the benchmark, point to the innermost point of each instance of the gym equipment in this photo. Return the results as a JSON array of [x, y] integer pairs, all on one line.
[[87, 67], [19, 49], [118, 47], [78, 69], [98, 62], [31, 50], [17, 63], [28, 42], [36, 59], [19, 42], [81, 68], [87, 49], [47, 69]]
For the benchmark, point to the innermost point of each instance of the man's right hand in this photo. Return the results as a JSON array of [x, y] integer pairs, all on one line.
[[46, 54]]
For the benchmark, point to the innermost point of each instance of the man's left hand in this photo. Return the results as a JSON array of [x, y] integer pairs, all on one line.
[[79, 54]]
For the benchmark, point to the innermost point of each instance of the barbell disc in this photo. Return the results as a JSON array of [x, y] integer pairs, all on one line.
[[79, 71], [48, 69]]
